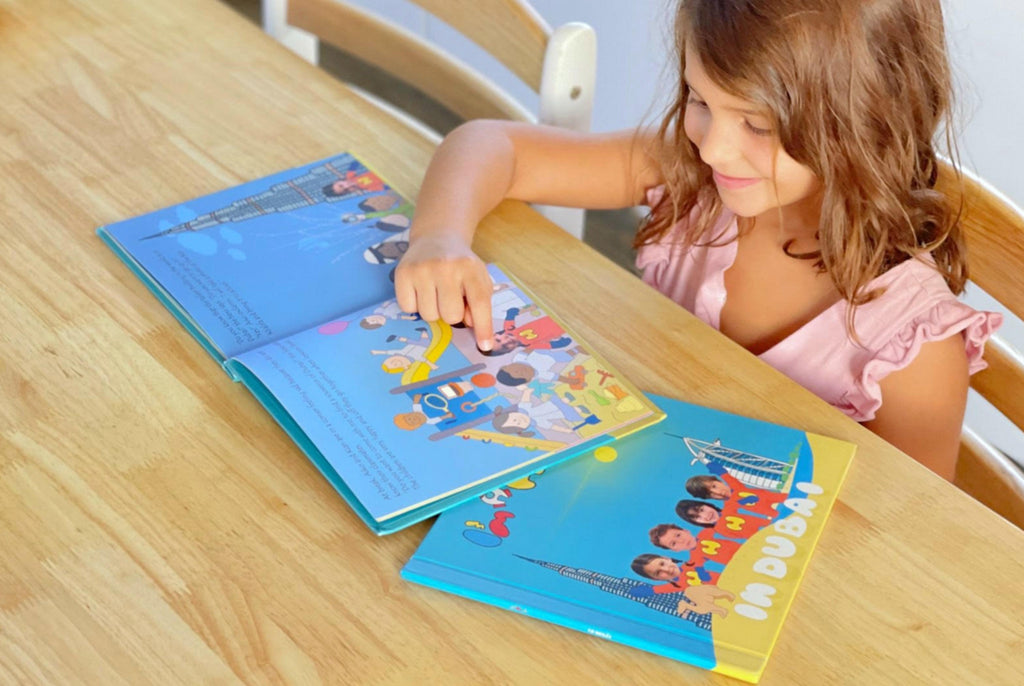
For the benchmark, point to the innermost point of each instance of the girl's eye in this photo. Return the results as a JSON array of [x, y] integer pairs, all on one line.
[[756, 130], [690, 100]]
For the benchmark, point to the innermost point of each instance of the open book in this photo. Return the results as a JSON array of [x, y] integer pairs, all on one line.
[[688, 539], [286, 281]]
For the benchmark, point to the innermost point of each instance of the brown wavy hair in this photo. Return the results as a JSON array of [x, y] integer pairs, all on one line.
[[858, 90]]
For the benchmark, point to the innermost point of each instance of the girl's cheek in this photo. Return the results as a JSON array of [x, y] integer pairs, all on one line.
[[694, 126]]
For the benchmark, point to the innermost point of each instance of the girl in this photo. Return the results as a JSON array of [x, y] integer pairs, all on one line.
[[697, 585], [793, 173]]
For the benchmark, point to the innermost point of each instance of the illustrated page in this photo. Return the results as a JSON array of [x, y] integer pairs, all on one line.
[[407, 411], [275, 256]]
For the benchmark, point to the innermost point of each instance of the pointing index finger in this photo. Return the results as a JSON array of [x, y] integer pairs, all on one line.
[[478, 300]]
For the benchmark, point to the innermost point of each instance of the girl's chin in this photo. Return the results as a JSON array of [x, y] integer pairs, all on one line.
[[747, 210]]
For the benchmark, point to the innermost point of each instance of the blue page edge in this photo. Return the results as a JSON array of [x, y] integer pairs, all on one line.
[[552, 610], [168, 302], [271, 404]]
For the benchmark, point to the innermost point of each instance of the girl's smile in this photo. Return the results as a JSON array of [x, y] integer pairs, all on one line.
[[737, 135], [733, 182]]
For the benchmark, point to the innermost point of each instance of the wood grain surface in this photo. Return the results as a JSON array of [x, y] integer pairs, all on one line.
[[157, 527]]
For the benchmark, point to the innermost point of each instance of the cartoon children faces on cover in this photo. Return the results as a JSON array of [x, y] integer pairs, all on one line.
[[744, 511]]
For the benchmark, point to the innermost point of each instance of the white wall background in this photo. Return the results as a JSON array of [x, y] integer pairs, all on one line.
[[986, 40]]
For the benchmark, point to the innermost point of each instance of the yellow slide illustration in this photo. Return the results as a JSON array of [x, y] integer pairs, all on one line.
[[440, 337], [511, 440]]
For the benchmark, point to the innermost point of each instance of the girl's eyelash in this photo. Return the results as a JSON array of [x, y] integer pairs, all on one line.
[[757, 131]]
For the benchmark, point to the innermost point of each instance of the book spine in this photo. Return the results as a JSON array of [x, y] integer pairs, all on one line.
[[558, 615]]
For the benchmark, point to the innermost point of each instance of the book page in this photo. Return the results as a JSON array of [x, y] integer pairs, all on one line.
[[407, 411], [275, 256]]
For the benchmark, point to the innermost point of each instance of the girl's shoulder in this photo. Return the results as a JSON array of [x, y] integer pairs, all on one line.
[[914, 294], [915, 308]]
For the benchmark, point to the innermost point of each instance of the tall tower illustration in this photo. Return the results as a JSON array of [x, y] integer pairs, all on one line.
[[751, 469], [338, 178], [622, 587]]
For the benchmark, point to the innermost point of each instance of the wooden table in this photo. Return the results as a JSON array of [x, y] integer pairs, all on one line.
[[157, 527]]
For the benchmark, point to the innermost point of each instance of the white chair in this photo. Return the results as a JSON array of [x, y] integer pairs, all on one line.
[[995, 250], [559, 65]]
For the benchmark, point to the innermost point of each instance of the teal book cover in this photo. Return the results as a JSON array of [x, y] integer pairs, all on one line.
[[688, 539], [287, 282]]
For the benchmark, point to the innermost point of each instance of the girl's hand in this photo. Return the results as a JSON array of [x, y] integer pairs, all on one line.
[[442, 278]]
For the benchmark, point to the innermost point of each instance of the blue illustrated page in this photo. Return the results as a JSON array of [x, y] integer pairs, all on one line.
[[271, 257], [407, 411]]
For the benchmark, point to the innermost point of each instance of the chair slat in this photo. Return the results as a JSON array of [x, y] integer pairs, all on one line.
[[991, 478], [510, 30], [994, 230], [995, 239], [1002, 383], [407, 57]]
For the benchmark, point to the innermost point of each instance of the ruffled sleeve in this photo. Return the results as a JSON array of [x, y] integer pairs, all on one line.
[[940, 321], [653, 259]]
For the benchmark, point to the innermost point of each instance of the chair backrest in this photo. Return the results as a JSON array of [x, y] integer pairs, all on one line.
[[559, 65], [995, 242]]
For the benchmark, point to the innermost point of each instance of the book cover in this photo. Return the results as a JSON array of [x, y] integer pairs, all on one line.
[[287, 282], [688, 539]]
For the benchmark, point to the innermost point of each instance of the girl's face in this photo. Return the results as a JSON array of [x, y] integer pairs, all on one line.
[[703, 514], [719, 490], [735, 138], [662, 569], [678, 540]]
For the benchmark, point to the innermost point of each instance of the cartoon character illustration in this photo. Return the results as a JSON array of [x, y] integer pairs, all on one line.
[[551, 415], [516, 374], [703, 600], [435, 407], [511, 420], [389, 250], [696, 584], [672, 537], [703, 548], [391, 223], [384, 313], [541, 333], [505, 297], [545, 370], [548, 411], [338, 178], [400, 359], [732, 524], [721, 485], [448, 402], [677, 573], [385, 205], [353, 182]]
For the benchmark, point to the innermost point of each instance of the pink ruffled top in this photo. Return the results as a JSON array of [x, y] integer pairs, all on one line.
[[916, 307]]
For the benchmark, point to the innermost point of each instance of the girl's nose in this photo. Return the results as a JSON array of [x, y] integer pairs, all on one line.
[[716, 146]]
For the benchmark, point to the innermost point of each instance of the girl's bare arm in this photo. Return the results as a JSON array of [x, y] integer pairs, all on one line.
[[484, 162], [923, 406]]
